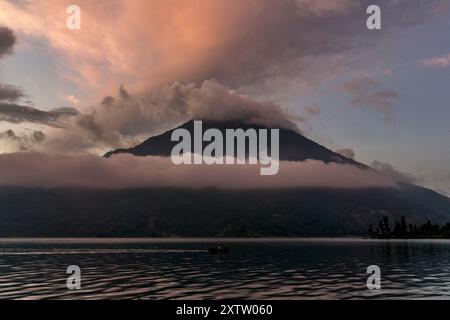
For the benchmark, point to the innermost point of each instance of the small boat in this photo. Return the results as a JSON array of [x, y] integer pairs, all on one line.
[[219, 249]]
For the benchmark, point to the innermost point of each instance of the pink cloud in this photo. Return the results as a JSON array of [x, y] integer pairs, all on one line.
[[126, 171], [438, 62]]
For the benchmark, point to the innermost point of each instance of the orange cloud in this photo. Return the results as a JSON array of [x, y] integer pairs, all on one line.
[[146, 44]]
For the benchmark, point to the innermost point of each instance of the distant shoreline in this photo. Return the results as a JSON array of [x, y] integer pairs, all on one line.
[[198, 239]]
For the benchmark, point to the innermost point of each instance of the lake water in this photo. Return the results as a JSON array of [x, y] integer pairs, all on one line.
[[254, 269]]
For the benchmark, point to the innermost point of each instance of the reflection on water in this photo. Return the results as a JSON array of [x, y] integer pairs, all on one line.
[[255, 269]]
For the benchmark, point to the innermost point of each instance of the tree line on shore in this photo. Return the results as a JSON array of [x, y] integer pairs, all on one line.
[[402, 230]]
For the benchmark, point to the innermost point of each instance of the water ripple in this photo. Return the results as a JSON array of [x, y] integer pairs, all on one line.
[[264, 269]]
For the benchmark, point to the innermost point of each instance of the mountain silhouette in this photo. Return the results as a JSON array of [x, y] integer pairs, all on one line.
[[293, 145], [210, 212]]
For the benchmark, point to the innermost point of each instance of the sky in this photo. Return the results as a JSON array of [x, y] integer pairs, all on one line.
[[378, 95]]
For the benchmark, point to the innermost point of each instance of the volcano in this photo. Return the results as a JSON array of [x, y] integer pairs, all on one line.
[[293, 145], [158, 212]]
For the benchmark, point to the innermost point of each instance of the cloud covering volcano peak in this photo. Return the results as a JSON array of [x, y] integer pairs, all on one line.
[[131, 114]]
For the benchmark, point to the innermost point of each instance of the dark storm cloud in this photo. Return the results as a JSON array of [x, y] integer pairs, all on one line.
[[9, 93], [14, 113], [7, 41]]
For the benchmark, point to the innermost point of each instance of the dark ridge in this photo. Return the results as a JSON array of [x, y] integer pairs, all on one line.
[[293, 145]]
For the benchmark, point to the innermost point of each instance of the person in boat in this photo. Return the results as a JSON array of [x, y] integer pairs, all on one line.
[[219, 248]]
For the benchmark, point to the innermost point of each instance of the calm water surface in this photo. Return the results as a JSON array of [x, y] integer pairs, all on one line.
[[254, 269]]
